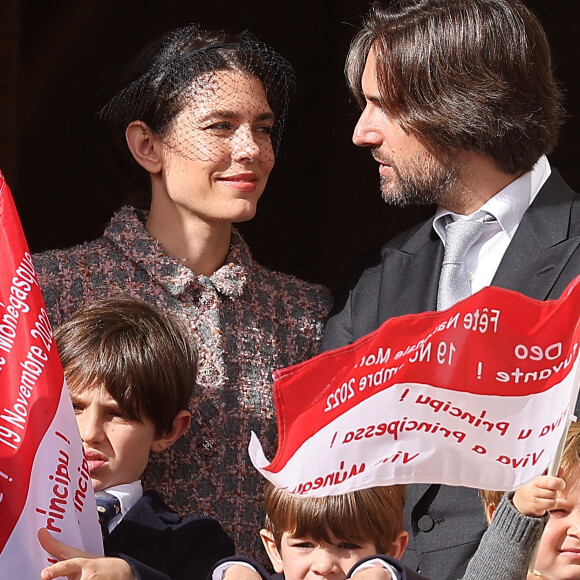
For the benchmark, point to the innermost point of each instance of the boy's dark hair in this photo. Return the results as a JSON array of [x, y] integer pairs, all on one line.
[[145, 358], [373, 515], [569, 462], [464, 74]]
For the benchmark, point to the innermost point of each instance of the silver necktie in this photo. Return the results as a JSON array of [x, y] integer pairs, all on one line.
[[454, 282]]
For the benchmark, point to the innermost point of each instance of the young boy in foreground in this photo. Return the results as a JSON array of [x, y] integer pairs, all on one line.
[[130, 370], [550, 505], [333, 537]]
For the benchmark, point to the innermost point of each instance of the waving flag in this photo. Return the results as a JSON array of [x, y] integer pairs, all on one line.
[[478, 395], [44, 479]]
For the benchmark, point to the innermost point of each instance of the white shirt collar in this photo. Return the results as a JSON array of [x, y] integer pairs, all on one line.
[[508, 205], [128, 494]]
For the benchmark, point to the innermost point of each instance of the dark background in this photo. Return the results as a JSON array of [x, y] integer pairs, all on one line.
[[58, 64]]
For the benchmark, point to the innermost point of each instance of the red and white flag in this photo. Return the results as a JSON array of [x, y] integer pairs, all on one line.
[[478, 395], [44, 478]]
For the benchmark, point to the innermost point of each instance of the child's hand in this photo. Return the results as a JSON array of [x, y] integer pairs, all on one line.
[[538, 497], [373, 573], [239, 572], [78, 565]]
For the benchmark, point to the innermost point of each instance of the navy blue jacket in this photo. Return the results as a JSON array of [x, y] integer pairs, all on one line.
[[161, 545]]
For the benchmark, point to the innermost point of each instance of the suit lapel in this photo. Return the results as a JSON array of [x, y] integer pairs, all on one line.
[[542, 244], [417, 259], [144, 523]]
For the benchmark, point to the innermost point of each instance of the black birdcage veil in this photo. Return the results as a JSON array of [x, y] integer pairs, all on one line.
[[193, 70]]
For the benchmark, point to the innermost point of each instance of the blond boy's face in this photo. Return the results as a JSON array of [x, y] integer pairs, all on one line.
[[117, 448], [307, 559], [559, 552]]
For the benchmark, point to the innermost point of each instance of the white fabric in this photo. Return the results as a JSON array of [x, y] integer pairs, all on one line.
[[507, 207]]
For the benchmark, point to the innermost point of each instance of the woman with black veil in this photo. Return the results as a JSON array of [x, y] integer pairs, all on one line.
[[202, 120]]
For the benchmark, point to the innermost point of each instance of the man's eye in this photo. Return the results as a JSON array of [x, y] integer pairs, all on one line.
[[558, 513]]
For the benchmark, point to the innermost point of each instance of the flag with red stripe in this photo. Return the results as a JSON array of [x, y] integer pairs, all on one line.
[[478, 395], [44, 478]]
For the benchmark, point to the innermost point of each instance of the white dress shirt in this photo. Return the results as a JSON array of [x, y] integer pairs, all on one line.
[[507, 207]]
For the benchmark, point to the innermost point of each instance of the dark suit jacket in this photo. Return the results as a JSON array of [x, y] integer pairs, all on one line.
[[446, 523], [404, 573], [160, 545]]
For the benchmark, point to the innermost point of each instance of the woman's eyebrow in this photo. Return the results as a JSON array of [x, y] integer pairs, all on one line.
[[231, 114]]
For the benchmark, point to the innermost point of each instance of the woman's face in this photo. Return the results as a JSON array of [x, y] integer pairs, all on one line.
[[218, 153]]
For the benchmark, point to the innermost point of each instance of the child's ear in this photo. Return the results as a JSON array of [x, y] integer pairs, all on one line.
[[179, 427], [272, 550], [399, 545], [144, 146]]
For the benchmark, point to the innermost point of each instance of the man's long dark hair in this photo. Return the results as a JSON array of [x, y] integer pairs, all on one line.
[[464, 74]]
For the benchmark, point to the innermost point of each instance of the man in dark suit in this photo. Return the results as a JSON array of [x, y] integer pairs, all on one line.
[[460, 109]]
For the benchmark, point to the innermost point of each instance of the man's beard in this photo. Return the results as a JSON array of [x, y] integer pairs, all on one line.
[[424, 180]]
